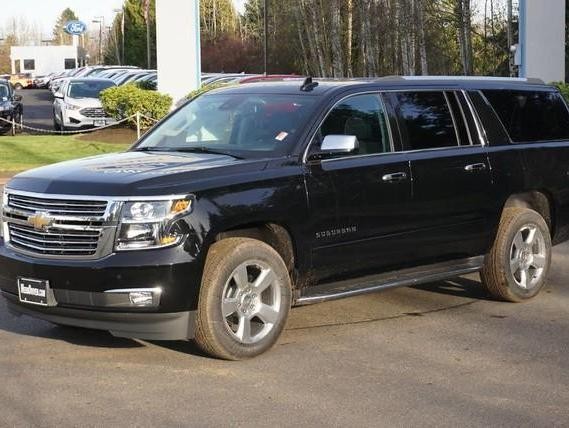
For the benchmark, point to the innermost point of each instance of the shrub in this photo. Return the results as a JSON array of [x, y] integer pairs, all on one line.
[[125, 101], [563, 88]]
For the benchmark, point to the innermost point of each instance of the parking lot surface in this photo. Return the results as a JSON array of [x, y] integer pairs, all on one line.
[[38, 108], [435, 355]]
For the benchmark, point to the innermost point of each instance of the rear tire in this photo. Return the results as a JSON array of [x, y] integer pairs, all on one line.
[[244, 301], [18, 87], [517, 266]]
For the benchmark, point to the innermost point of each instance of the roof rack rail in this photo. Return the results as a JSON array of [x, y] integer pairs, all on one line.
[[472, 78]]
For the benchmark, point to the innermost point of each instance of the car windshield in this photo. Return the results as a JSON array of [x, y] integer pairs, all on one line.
[[241, 125], [87, 89], [4, 92]]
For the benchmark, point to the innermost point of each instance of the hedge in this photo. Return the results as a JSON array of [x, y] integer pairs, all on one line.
[[124, 101], [563, 88]]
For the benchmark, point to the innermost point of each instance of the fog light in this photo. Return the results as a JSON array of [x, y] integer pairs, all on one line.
[[141, 298], [134, 297]]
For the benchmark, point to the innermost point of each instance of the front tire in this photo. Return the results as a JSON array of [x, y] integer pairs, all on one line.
[[244, 301], [517, 266]]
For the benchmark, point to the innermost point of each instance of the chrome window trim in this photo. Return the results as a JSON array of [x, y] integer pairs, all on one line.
[[463, 114], [480, 129], [482, 137], [453, 118]]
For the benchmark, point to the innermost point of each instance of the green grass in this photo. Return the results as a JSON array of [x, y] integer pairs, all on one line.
[[24, 152]]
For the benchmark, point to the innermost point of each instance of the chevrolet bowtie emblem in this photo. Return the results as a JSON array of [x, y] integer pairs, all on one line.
[[40, 221]]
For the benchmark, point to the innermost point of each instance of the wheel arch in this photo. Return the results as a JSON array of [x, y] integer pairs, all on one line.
[[540, 201], [276, 235]]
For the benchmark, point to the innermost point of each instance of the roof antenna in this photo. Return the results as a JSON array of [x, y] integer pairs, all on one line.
[[308, 85]]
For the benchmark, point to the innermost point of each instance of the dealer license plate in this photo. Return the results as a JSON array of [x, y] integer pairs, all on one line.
[[33, 291]]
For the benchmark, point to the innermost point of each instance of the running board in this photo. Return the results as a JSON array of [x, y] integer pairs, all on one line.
[[401, 278]]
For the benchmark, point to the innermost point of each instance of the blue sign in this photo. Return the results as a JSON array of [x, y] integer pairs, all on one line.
[[75, 28]]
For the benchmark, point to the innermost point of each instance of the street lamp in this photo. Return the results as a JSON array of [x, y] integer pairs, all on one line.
[[265, 37], [121, 11], [101, 21]]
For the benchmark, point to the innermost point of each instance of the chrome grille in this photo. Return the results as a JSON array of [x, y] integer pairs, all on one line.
[[58, 206], [59, 226], [54, 242], [95, 112]]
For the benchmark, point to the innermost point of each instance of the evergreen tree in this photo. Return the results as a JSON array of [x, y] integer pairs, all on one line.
[[60, 37]]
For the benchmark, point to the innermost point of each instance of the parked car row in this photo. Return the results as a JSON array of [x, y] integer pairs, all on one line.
[[19, 81], [11, 108]]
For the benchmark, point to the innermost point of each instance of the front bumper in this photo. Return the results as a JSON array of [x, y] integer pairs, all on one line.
[[74, 119], [147, 326], [79, 288]]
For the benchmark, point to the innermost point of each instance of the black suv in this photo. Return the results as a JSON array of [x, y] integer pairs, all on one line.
[[249, 200], [11, 109]]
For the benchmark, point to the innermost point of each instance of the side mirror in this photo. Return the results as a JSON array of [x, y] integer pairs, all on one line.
[[18, 98], [337, 145], [58, 95]]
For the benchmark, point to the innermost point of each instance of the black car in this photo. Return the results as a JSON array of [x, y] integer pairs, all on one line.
[[11, 108], [249, 200]]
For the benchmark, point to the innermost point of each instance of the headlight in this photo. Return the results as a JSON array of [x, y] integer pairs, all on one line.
[[151, 224], [72, 106]]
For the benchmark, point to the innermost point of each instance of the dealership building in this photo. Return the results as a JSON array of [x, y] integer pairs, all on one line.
[[42, 60]]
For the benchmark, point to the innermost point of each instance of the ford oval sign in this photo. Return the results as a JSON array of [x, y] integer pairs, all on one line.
[[75, 28]]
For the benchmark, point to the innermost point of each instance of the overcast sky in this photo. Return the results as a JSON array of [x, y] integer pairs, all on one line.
[[45, 12]]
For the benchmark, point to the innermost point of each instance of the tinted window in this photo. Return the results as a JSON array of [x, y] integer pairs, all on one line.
[[531, 115], [364, 117], [425, 120]]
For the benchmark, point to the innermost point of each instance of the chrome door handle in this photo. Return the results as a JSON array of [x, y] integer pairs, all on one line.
[[475, 167], [396, 176]]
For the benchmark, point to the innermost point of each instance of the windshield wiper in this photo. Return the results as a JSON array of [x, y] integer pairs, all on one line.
[[203, 149]]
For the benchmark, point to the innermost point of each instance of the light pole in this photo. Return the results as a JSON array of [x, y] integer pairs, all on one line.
[[101, 21], [121, 11], [265, 36]]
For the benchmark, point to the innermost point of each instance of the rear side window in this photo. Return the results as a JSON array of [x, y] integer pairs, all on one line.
[[425, 120], [531, 115]]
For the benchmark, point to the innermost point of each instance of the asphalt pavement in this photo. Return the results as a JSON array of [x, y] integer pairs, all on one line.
[[38, 108], [441, 354]]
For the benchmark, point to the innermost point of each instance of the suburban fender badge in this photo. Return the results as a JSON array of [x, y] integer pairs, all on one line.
[[40, 221]]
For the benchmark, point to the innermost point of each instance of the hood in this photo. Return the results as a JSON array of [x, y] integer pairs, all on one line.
[[85, 102], [136, 174]]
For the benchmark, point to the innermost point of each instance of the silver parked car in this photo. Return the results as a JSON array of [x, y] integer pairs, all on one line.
[[77, 104]]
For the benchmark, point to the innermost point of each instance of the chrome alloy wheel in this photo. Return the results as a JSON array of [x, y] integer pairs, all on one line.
[[528, 256], [251, 302]]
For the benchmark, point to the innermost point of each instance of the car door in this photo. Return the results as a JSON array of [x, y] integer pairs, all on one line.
[[358, 201], [453, 195]]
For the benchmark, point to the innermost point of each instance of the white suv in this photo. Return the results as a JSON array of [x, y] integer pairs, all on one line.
[[77, 104]]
